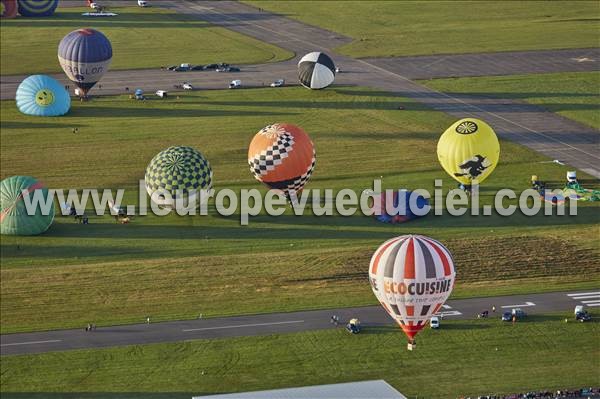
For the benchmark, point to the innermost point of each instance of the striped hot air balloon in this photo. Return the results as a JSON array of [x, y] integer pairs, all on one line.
[[412, 276], [282, 156], [316, 70], [14, 216], [8, 8], [85, 56], [41, 95], [37, 8]]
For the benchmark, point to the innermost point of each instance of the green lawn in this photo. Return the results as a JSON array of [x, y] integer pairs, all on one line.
[[391, 28], [176, 267], [574, 95], [462, 358], [140, 37]]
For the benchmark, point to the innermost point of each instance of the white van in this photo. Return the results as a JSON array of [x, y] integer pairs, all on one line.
[[579, 309], [434, 322], [161, 93], [142, 3], [235, 84]]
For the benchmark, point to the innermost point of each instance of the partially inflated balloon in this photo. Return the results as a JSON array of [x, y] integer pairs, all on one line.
[[400, 209], [282, 156], [180, 171], [316, 70], [412, 276], [8, 8], [469, 150], [14, 216], [85, 55], [37, 8], [41, 95]]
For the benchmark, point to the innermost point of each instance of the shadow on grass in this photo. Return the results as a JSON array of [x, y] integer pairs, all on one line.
[[34, 125], [151, 112]]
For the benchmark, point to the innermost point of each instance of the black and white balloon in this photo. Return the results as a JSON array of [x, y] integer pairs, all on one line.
[[316, 70]]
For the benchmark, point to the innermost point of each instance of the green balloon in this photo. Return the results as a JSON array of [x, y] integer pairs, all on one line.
[[178, 168], [14, 219]]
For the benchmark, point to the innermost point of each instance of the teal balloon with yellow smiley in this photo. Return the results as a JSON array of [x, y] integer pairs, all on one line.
[[41, 95]]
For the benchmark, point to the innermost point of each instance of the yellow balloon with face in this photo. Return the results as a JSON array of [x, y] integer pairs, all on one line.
[[469, 150], [44, 97]]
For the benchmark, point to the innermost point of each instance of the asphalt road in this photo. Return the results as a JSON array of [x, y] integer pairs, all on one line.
[[276, 323]]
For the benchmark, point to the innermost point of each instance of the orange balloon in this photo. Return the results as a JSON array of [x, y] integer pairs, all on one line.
[[282, 156]]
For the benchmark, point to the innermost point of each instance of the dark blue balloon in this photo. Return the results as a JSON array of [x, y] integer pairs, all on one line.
[[85, 55], [402, 211], [37, 8]]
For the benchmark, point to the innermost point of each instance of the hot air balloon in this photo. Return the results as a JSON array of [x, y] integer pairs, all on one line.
[[402, 212], [282, 156], [179, 171], [316, 70], [14, 219], [8, 8], [37, 8], [469, 150], [41, 95], [412, 276], [85, 55]]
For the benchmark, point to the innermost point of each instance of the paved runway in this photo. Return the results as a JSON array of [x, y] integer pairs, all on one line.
[[276, 323]]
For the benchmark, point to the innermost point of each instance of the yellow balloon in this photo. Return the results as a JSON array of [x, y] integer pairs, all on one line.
[[469, 150]]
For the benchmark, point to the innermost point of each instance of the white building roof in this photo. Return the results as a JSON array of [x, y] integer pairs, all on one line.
[[352, 390]]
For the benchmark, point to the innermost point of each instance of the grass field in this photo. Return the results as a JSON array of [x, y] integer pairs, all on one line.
[[176, 267], [140, 37], [573, 95], [462, 358], [390, 28]]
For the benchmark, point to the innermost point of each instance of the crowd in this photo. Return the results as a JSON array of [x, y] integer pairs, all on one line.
[[567, 393]]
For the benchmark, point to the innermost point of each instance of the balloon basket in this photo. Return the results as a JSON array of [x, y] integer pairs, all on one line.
[[411, 345]]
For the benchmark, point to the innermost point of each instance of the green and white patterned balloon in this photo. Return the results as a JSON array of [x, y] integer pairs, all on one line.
[[182, 169]]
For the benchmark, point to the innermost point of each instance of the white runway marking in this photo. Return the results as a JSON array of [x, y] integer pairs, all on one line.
[[584, 293], [523, 305], [32, 342], [244, 325], [590, 302]]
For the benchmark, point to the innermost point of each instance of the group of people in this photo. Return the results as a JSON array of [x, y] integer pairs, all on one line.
[[568, 393], [90, 327]]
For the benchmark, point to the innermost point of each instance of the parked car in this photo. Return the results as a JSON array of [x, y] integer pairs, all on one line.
[[506, 316], [234, 69], [222, 69], [583, 316], [187, 86], [278, 83], [434, 322], [211, 66], [142, 3], [162, 93], [519, 313], [579, 308], [171, 67], [180, 69], [235, 84], [197, 68]]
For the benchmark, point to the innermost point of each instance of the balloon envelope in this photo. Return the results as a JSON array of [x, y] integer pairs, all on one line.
[[400, 209], [469, 150], [37, 8], [316, 70], [412, 276], [41, 95], [85, 55], [14, 219], [282, 156], [179, 171], [8, 8]]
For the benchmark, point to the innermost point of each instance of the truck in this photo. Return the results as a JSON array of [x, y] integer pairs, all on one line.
[[235, 84]]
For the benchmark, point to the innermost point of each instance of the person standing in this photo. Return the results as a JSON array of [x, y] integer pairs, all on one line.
[[148, 320]]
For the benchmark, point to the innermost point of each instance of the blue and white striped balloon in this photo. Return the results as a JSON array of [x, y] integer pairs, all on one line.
[[41, 95]]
